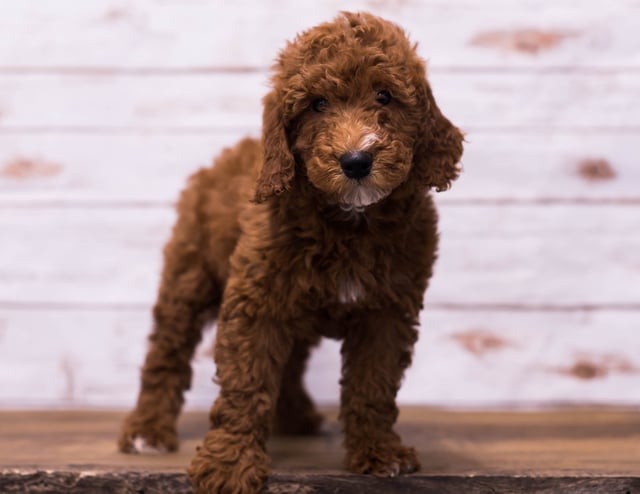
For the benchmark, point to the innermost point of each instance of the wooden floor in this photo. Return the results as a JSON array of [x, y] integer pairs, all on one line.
[[574, 450]]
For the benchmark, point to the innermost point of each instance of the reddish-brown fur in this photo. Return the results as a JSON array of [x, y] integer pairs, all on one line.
[[283, 248]]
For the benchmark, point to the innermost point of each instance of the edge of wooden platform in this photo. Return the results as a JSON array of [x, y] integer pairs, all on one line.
[[94, 481]]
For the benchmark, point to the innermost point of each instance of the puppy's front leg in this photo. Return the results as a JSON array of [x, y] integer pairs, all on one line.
[[376, 351], [251, 351]]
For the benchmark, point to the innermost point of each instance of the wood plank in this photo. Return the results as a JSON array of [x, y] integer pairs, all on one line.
[[85, 170], [187, 35], [581, 450], [99, 169], [74, 358], [116, 254], [538, 256], [224, 101], [560, 256], [232, 101], [73, 482], [79, 358]]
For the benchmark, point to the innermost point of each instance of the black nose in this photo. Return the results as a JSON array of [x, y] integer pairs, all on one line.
[[356, 164]]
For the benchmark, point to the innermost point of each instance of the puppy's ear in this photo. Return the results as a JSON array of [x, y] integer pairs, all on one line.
[[439, 147], [278, 164]]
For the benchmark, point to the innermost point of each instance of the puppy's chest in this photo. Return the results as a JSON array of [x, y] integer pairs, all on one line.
[[347, 278], [349, 290], [361, 269]]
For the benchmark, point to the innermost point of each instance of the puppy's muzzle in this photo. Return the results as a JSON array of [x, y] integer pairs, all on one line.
[[356, 164]]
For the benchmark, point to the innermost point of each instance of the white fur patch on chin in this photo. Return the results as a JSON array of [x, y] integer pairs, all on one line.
[[141, 446], [361, 196]]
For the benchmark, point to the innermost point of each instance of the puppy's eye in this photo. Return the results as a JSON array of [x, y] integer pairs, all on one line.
[[383, 97], [319, 104]]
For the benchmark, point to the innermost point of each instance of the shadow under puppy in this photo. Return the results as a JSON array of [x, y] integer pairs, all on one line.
[[324, 228]]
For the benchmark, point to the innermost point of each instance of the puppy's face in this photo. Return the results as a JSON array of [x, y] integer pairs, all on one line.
[[352, 112], [355, 136]]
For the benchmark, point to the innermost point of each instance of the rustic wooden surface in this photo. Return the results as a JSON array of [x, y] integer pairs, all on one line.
[[572, 450], [536, 295], [96, 482]]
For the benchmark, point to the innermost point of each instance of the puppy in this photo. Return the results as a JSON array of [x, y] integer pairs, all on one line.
[[323, 228]]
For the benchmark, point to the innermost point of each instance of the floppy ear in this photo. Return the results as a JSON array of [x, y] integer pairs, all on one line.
[[278, 164], [439, 147]]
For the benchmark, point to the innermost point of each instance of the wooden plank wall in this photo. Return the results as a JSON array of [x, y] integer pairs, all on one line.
[[106, 106]]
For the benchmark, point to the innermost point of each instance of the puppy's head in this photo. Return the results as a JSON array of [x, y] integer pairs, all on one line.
[[351, 110]]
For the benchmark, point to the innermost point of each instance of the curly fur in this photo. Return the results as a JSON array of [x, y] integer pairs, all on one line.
[[283, 248]]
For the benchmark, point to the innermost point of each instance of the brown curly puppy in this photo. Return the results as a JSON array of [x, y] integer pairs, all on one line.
[[337, 239]]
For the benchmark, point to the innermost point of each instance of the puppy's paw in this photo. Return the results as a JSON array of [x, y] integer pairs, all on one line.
[[140, 436], [383, 460], [228, 464], [140, 445]]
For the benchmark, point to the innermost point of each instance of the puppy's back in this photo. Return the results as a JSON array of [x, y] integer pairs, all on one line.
[[214, 198]]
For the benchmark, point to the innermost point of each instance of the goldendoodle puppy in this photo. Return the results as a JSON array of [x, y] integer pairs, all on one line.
[[324, 228]]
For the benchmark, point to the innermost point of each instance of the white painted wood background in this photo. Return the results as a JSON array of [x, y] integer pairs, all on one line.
[[107, 105]]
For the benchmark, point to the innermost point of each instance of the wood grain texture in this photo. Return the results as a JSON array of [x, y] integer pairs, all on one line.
[[535, 298], [232, 101], [141, 169], [37, 482], [489, 255], [77, 357], [146, 34], [577, 450]]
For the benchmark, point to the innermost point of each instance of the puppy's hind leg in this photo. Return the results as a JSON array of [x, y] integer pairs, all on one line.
[[188, 298], [295, 412]]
